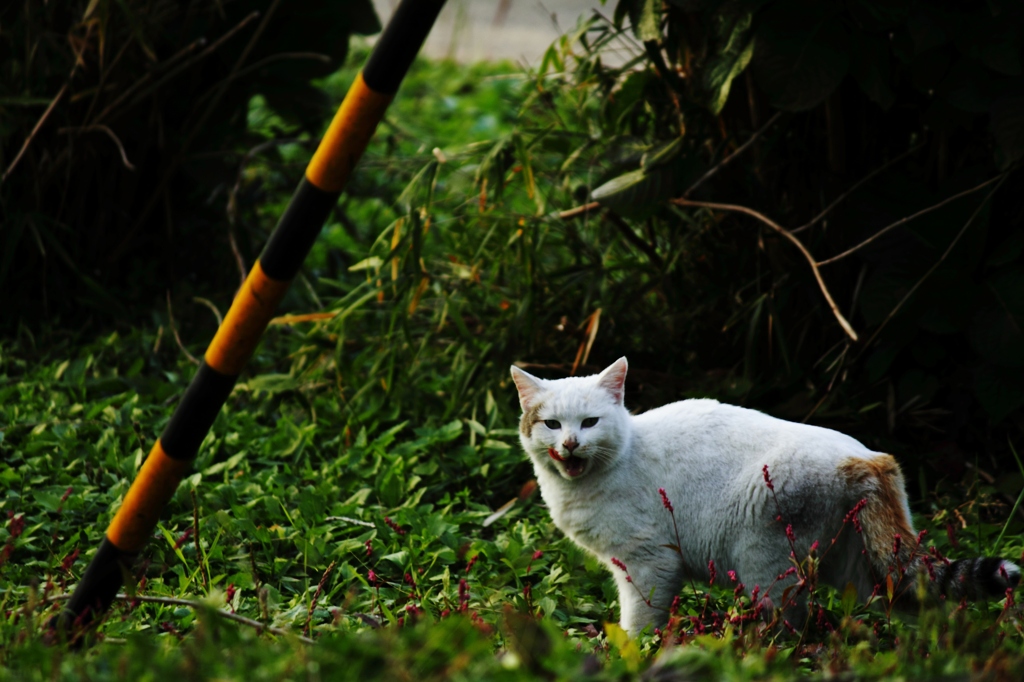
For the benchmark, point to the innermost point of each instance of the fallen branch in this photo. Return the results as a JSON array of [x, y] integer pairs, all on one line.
[[305, 317], [103, 129], [742, 148], [579, 210], [174, 329], [828, 209], [39, 124], [908, 218], [788, 235], [191, 603], [942, 258]]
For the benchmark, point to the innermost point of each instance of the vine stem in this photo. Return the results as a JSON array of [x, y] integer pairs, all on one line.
[[793, 239], [174, 601], [908, 218]]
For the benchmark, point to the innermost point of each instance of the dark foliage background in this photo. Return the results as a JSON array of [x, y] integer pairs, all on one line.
[[136, 117], [897, 107]]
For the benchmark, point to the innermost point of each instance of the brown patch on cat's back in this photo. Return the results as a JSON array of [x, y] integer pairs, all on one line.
[[529, 419], [880, 481]]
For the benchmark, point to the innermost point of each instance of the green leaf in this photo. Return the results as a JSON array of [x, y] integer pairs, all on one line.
[[991, 41], [801, 54], [391, 489], [646, 25], [639, 192], [849, 601], [1000, 390], [879, 15], [870, 67], [997, 331], [626, 647], [728, 63], [1008, 128]]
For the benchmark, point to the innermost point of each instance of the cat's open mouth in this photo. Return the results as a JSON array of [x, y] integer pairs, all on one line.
[[572, 465]]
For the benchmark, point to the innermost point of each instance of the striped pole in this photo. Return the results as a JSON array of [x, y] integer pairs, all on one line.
[[232, 346]]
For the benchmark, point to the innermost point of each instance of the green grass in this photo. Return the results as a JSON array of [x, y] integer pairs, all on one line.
[[380, 440]]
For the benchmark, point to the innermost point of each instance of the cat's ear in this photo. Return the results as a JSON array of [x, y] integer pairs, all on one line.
[[613, 379], [528, 386]]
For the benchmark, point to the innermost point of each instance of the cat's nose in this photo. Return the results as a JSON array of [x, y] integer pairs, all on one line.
[[570, 444]]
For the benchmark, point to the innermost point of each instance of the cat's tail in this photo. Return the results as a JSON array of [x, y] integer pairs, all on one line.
[[971, 579], [892, 546]]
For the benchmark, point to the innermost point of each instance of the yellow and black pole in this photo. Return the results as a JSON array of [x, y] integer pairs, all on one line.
[[254, 305]]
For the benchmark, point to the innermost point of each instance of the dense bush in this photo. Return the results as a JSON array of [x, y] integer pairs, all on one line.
[[884, 135], [123, 126]]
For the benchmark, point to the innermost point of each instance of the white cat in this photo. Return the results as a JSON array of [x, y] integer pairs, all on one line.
[[600, 470]]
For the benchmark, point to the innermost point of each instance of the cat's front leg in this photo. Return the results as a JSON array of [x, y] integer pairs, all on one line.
[[644, 598]]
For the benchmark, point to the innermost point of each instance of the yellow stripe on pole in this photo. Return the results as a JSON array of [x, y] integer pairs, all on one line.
[[153, 488], [347, 137], [238, 335]]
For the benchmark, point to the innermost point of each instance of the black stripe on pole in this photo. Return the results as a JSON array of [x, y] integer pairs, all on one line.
[[291, 240], [399, 44], [195, 413], [98, 587]]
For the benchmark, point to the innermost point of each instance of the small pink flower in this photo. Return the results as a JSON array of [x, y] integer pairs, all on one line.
[[711, 571], [619, 565], [472, 561], [790, 535], [897, 542], [463, 595], [665, 501], [394, 526], [371, 577], [814, 547], [732, 575], [767, 478]]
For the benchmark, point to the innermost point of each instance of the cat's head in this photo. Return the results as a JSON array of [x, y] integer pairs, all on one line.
[[576, 425]]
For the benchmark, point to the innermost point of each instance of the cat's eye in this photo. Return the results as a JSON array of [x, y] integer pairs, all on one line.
[[589, 421], [552, 424]]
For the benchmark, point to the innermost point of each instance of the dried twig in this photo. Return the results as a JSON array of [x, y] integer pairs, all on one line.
[[828, 209], [583, 352], [191, 603], [263, 62], [103, 129], [908, 218], [739, 150], [942, 258], [579, 210], [177, 67], [174, 329], [39, 124], [316, 596], [305, 317], [209, 304], [788, 235], [183, 149]]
